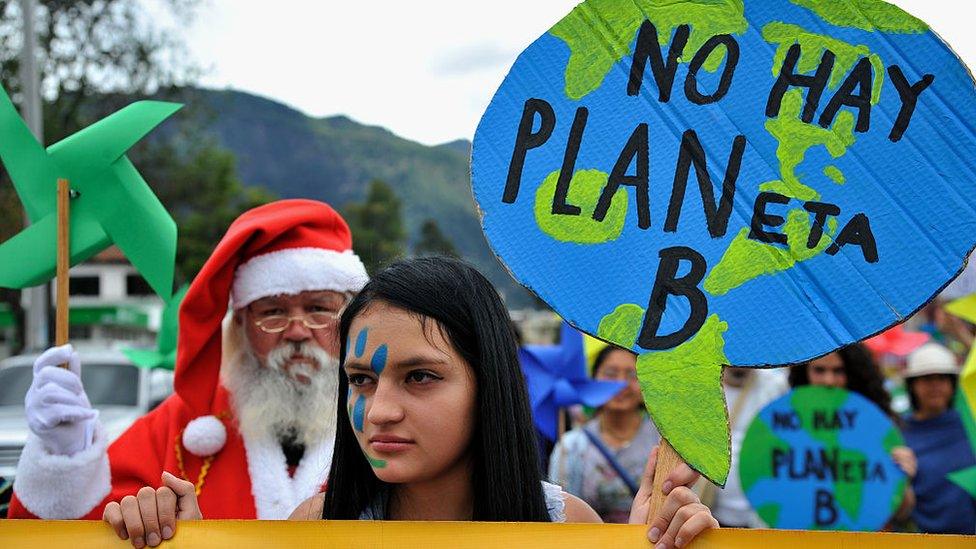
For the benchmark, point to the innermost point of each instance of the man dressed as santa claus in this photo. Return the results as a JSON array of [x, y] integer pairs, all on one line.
[[252, 420]]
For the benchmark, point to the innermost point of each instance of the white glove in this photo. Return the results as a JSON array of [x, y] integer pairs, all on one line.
[[58, 410]]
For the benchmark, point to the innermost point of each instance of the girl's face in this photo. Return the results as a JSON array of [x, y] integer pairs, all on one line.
[[411, 397], [828, 371], [621, 366]]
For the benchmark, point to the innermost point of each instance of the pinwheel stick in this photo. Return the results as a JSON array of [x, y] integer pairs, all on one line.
[[61, 324], [667, 461]]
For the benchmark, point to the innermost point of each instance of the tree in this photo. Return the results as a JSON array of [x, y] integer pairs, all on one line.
[[89, 47], [85, 47], [377, 226], [433, 241]]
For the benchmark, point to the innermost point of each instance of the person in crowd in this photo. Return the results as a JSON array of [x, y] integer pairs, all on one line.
[[252, 421], [935, 432], [947, 329], [601, 461], [434, 418], [852, 368], [747, 391]]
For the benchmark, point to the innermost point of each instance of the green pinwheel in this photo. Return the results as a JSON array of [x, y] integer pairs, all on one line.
[[112, 203], [164, 356]]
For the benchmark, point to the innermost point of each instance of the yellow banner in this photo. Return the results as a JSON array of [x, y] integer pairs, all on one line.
[[29, 534]]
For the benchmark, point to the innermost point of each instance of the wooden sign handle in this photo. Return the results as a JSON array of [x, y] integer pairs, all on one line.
[[667, 461], [64, 263]]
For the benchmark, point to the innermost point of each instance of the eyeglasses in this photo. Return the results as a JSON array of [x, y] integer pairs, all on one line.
[[313, 321], [616, 375]]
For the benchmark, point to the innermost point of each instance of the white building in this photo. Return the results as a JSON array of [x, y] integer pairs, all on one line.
[[110, 303]]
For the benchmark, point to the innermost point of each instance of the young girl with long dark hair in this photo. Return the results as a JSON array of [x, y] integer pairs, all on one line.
[[434, 420]]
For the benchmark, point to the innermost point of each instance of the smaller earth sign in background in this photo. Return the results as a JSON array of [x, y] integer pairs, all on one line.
[[819, 458]]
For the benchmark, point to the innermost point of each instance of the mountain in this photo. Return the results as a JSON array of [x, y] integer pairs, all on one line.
[[462, 146], [333, 159]]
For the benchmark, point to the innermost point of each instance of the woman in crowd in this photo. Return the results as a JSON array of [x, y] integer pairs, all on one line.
[[934, 430], [434, 420], [601, 462], [852, 368]]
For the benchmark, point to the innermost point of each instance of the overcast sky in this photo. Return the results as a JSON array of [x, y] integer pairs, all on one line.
[[424, 69]]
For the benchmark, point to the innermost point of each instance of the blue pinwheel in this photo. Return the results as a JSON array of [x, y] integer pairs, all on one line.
[[556, 378]]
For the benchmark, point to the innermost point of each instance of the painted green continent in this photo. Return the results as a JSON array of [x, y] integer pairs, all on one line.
[[867, 15], [682, 389], [823, 400], [622, 325], [849, 495], [769, 513], [752, 471], [599, 33], [835, 175], [829, 402], [794, 138], [747, 259], [812, 46], [584, 192], [892, 439]]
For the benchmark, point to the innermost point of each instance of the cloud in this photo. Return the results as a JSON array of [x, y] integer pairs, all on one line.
[[472, 58]]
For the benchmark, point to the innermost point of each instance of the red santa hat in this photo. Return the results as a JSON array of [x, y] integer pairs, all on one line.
[[286, 247]]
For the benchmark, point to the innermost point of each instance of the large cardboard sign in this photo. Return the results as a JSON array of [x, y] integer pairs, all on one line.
[[743, 182], [819, 458]]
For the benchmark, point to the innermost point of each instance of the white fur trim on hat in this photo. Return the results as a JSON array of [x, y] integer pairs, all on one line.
[[204, 436], [63, 487], [295, 270]]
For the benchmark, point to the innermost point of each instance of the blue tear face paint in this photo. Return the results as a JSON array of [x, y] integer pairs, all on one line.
[[378, 362], [358, 413], [361, 342], [357, 409]]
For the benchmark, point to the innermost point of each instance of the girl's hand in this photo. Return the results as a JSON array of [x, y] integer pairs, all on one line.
[[150, 516], [682, 517]]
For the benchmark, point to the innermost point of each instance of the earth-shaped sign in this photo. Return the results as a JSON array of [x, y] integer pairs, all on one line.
[[743, 182], [820, 458]]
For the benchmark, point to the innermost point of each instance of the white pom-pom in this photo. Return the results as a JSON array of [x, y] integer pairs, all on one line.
[[204, 436]]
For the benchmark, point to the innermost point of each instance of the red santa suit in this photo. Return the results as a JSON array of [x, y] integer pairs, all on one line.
[[285, 247]]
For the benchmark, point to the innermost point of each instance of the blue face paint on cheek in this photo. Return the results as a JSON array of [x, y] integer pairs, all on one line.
[[361, 342], [378, 362], [358, 413]]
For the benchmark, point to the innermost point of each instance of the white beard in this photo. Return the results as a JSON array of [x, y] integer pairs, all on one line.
[[267, 398]]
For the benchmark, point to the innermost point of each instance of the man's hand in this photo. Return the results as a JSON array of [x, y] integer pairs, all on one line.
[[682, 517], [150, 516], [57, 408]]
